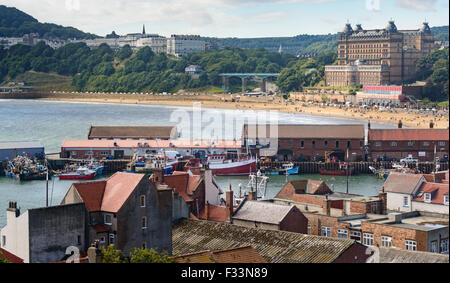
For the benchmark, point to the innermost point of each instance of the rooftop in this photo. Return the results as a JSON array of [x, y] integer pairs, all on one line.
[[157, 144], [4, 254], [245, 254], [394, 255], [133, 132], [191, 236], [409, 134], [402, 183], [307, 131], [264, 212], [20, 144]]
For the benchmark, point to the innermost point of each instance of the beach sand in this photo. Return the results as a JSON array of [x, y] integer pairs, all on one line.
[[411, 120]]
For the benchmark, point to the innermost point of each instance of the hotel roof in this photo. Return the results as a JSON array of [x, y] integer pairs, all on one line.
[[409, 134]]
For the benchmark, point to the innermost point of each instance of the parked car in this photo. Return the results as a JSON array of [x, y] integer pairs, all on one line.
[[409, 159]]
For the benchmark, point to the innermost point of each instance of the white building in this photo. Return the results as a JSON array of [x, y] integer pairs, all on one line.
[[180, 45], [157, 43]]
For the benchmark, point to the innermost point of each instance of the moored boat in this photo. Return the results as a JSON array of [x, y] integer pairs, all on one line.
[[82, 173], [221, 166], [343, 170]]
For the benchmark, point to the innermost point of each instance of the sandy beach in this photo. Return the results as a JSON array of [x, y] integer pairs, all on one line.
[[412, 120]]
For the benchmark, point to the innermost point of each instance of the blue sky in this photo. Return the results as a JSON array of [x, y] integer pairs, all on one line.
[[233, 18]]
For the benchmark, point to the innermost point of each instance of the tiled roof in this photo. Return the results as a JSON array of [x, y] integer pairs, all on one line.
[[402, 183], [132, 132], [409, 134], [236, 255], [438, 191], [108, 195], [168, 144], [189, 236], [9, 256], [217, 213], [263, 212], [309, 131], [179, 182], [393, 255]]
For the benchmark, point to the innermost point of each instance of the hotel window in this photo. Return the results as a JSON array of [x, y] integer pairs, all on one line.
[[144, 222], [89, 153], [108, 220], [410, 143], [426, 143], [405, 201], [111, 239], [326, 231], [142, 201], [386, 241], [368, 239], [410, 245], [355, 235], [444, 246], [393, 144], [343, 233]]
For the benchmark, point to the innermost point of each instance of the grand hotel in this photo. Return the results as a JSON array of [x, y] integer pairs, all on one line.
[[378, 57]]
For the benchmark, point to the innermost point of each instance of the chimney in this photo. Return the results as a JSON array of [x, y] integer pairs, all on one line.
[[207, 210], [383, 197], [94, 253], [326, 206], [431, 124], [157, 175], [400, 124], [12, 211], [229, 205]]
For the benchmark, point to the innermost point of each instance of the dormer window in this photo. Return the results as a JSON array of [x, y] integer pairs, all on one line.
[[427, 197]]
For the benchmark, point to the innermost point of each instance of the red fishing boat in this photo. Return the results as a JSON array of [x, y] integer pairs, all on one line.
[[342, 171], [221, 166], [82, 173]]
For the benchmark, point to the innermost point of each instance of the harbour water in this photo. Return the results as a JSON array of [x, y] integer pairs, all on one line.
[[52, 122]]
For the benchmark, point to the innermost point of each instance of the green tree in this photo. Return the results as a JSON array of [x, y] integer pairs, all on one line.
[[150, 256], [111, 255]]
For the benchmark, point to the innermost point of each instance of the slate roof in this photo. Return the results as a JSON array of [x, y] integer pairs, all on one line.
[[189, 236], [409, 134], [393, 255], [310, 131], [236, 255], [402, 183], [261, 211], [20, 144], [149, 132]]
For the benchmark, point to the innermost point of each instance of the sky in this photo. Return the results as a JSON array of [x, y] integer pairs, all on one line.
[[233, 18]]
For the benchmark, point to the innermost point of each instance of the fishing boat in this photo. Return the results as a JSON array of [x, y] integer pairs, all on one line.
[[145, 164], [256, 183], [288, 169], [82, 173], [221, 166], [25, 169], [342, 171], [383, 173]]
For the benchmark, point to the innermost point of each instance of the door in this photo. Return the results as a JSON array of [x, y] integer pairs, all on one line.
[[118, 154]]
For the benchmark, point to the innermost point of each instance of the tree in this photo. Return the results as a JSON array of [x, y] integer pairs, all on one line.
[[124, 52], [111, 255], [150, 256]]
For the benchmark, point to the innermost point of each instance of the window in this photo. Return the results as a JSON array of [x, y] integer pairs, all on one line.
[[355, 235], [374, 206], [349, 143], [405, 201], [393, 144], [144, 222], [378, 144], [386, 241], [368, 239], [144, 245], [326, 231], [302, 144], [444, 246], [342, 233], [111, 239], [337, 144], [410, 245], [142, 201], [434, 247], [3, 241], [426, 143], [313, 144], [410, 143], [108, 220], [441, 143], [104, 153], [427, 197], [89, 153], [308, 231], [325, 143], [102, 240], [446, 199]]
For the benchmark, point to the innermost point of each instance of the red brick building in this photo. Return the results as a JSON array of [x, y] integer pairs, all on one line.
[[310, 142], [400, 143]]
